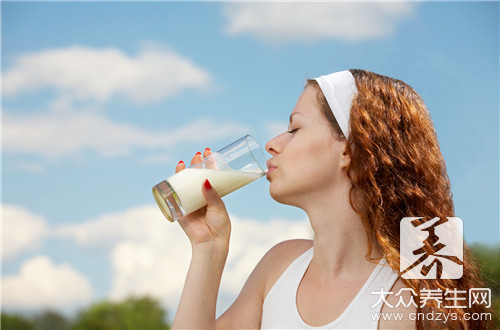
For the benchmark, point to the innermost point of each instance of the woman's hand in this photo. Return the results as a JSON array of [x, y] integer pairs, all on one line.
[[208, 230], [209, 227]]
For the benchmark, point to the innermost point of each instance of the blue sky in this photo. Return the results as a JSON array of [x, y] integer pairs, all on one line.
[[101, 99]]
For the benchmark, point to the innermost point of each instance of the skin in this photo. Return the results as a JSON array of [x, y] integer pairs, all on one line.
[[308, 158]]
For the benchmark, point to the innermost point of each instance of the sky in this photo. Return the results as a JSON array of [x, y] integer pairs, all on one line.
[[100, 100]]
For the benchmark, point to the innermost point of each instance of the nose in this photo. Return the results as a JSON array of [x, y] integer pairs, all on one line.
[[273, 146]]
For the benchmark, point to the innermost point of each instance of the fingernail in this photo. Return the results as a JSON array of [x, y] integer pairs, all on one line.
[[208, 186], [180, 162], [198, 153], [207, 149]]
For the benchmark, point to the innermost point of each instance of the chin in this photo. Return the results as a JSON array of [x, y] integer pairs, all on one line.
[[281, 197], [275, 193]]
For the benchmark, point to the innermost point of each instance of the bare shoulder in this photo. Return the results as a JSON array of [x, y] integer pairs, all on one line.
[[246, 311], [280, 256], [400, 308], [289, 249]]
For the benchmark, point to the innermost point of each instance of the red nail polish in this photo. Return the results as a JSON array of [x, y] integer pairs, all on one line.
[[208, 186], [207, 149], [181, 162], [198, 153]]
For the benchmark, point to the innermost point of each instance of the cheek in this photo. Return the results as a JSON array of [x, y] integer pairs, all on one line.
[[309, 166], [321, 164], [318, 154]]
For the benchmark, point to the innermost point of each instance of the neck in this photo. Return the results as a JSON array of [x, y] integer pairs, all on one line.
[[340, 240]]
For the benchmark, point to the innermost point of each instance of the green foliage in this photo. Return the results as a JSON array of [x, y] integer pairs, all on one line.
[[489, 263], [15, 322], [133, 313], [50, 320], [488, 258], [46, 320]]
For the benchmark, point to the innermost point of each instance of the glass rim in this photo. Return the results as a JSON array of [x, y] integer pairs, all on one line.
[[251, 140]]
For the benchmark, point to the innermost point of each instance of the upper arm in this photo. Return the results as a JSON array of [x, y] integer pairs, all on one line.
[[246, 311]]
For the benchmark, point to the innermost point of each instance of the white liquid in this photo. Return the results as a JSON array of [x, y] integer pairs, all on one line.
[[187, 184]]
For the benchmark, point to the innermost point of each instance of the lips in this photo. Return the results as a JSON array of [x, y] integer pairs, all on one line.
[[270, 167]]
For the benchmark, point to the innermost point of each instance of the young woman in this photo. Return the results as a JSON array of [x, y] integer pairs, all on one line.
[[360, 154]]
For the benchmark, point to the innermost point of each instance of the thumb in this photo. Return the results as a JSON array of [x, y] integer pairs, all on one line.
[[212, 197]]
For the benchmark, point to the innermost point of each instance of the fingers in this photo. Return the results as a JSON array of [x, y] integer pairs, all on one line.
[[213, 199], [197, 159], [210, 162], [180, 166]]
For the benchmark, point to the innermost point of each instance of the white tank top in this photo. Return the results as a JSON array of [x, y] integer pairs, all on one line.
[[279, 310]]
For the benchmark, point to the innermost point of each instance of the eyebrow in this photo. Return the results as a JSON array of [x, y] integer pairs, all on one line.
[[293, 114]]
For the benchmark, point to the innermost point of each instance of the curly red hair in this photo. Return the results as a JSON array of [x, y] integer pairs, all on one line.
[[397, 170]]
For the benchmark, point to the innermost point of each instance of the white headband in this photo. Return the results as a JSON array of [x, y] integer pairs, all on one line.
[[339, 89]]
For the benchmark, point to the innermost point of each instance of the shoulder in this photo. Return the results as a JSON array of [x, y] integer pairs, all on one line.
[[273, 264], [246, 311], [289, 248], [279, 257]]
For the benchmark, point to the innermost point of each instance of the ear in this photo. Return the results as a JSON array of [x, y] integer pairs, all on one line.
[[345, 159]]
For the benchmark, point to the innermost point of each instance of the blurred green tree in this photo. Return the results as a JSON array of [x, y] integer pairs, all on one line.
[[489, 262], [15, 322], [132, 313], [50, 320], [488, 258]]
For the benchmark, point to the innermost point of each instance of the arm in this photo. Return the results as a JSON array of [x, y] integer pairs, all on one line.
[[208, 230], [199, 296]]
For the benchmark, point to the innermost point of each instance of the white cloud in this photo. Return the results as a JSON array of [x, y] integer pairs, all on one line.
[[136, 224], [22, 231], [148, 255], [65, 134], [288, 22], [84, 73], [40, 283], [71, 128], [151, 256]]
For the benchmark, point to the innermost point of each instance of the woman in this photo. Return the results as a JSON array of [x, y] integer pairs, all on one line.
[[360, 154]]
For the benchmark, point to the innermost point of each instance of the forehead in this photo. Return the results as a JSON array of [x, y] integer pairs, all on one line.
[[307, 104]]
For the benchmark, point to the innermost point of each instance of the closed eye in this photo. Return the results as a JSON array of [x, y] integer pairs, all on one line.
[[293, 130]]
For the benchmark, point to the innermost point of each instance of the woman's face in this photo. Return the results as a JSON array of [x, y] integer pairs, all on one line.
[[308, 159]]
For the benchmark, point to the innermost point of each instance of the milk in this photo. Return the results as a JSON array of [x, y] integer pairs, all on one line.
[[187, 185]]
